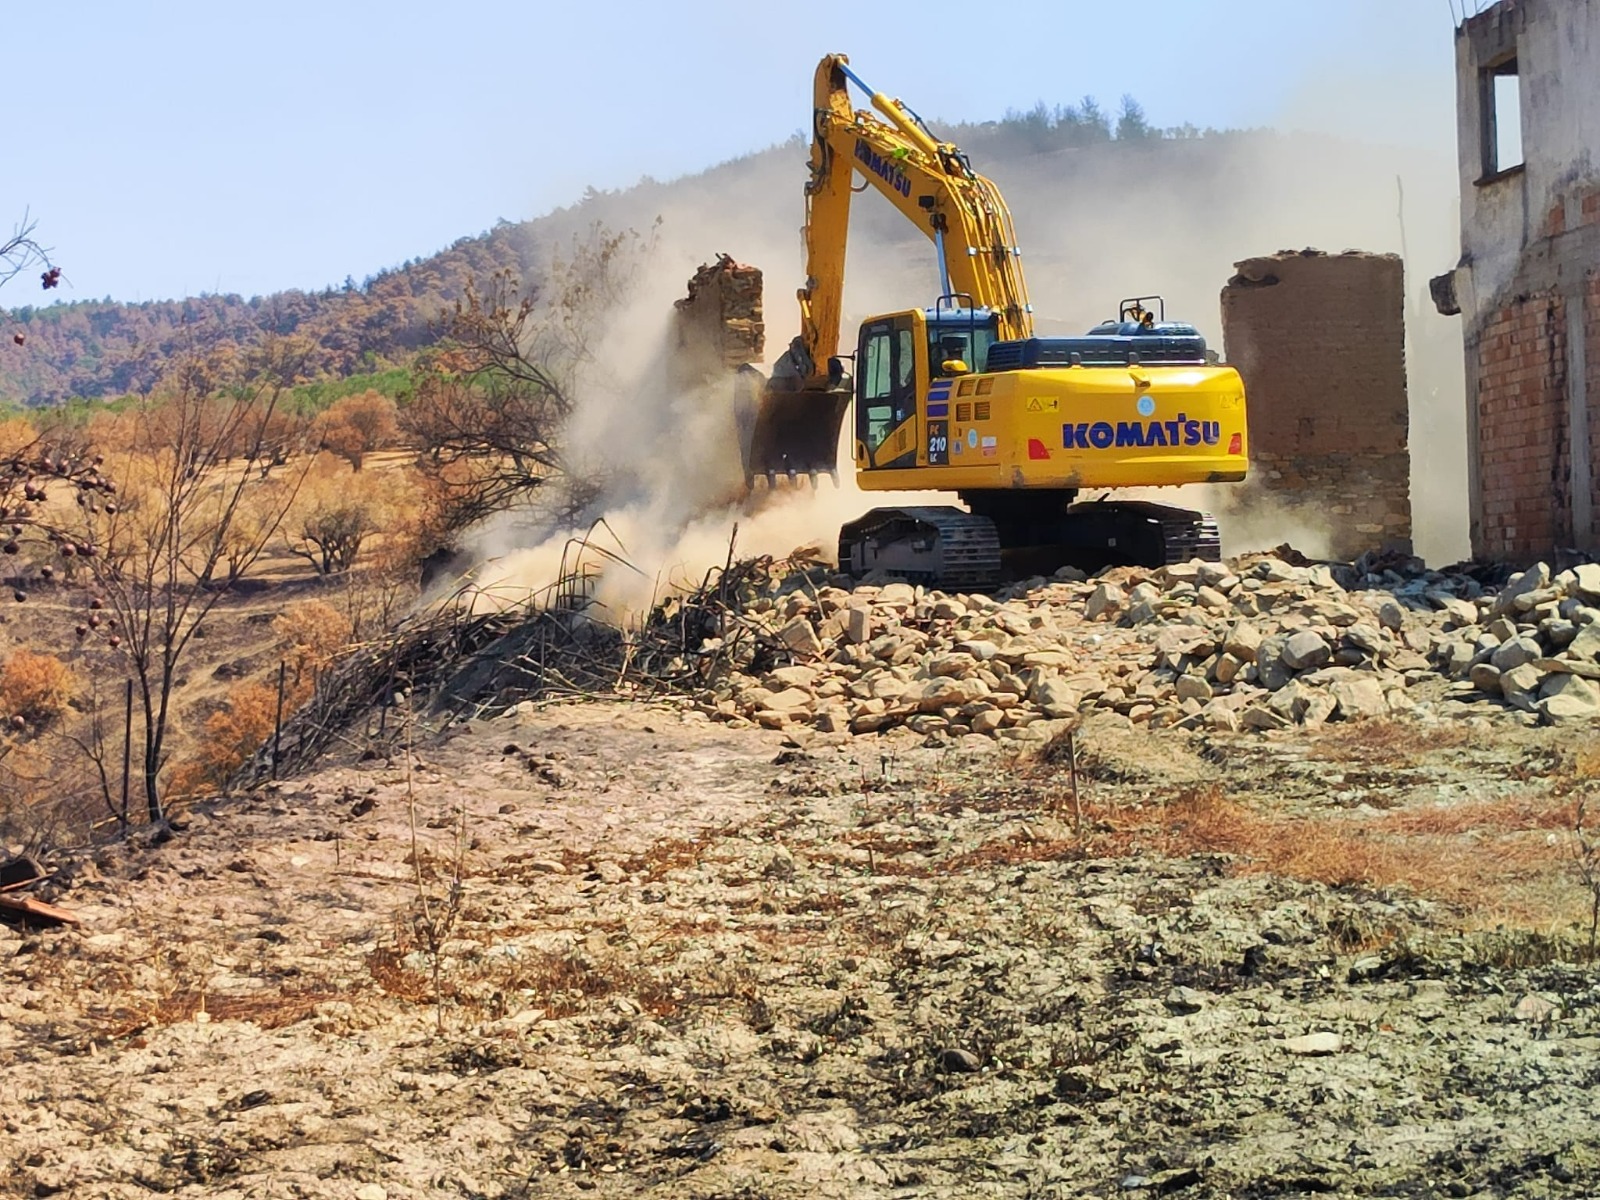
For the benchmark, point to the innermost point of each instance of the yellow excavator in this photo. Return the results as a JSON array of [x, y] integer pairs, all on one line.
[[962, 397]]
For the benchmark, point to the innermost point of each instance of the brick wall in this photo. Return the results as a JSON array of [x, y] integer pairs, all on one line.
[[1524, 460], [718, 325], [1320, 342], [1591, 357]]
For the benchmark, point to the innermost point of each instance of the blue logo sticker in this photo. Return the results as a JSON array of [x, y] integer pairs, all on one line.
[[1147, 406], [972, 439]]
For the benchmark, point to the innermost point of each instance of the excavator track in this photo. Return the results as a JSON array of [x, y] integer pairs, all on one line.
[[1137, 533], [959, 551], [934, 544]]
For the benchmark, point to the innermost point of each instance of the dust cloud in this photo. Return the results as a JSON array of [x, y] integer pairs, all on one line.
[[1166, 217]]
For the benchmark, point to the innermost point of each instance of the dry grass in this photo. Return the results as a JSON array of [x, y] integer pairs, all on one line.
[[673, 854], [1494, 861], [269, 1008], [1387, 742]]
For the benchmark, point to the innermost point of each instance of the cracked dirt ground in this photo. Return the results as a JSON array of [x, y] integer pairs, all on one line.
[[691, 961]]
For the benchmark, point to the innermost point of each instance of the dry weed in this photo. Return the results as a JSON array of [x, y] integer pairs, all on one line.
[[1387, 741]]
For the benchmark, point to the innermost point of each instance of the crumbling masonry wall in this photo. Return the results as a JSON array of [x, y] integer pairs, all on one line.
[[718, 326], [1320, 342], [1526, 285]]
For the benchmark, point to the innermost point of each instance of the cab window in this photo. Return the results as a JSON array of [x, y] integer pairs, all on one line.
[[877, 387]]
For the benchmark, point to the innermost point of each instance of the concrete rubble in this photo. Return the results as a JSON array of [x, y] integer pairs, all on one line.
[[1258, 644]]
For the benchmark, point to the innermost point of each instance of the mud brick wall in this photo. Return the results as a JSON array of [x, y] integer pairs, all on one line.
[[1320, 342], [718, 327]]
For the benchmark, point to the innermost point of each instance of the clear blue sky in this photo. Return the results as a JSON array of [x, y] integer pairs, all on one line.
[[169, 147]]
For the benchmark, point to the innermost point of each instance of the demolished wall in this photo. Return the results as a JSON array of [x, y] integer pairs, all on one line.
[[1320, 342], [1527, 285], [718, 326]]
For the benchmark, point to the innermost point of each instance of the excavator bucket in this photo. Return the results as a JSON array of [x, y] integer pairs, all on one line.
[[787, 433]]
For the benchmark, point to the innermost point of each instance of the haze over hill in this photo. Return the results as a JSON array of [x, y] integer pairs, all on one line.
[[1099, 219]]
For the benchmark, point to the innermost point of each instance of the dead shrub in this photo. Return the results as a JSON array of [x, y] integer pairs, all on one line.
[[312, 633], [235, 733], [35, 687]]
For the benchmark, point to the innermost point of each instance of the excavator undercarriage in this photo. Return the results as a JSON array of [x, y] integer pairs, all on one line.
[[941, 544]]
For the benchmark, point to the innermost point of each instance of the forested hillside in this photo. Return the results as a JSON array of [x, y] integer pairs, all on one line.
[[97, 348]]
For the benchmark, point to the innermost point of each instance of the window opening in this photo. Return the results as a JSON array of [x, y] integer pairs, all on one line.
[[1502, 118]]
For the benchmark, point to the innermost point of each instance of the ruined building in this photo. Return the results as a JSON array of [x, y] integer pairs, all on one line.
[[1528, 281], [1319, 340]]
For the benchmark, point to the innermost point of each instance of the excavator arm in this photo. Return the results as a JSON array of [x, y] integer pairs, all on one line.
[[930, 182]]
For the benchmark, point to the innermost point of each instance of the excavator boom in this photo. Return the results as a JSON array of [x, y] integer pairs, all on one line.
[[792, 428]]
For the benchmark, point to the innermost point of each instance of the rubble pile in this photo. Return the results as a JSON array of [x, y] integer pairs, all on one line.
[[1259, 644]]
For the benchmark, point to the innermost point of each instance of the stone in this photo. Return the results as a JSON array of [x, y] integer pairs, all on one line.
[[1192, 687], [858, 625], [1227, 669], [1557, 631], [788, 700], [987, 721], [1242, 641], [948, 609], [1178, 641], [1535, 1008], [1106, 598], [956, 1061], [1585, 644], [1568, 700], [1314, 1045], [1258, 717], [981, 650], [1520, 686], [1586, 581], [1319, 707], [1461, 613], [801, 638], [1305, 649], [1513, 653], [372, 1191], [1392, 615], [1535, 579], [1271, 671], [1184, 1001], [1365, 637], [897, 595], [1485, 678], [884, 686], [1359, 699], [794, 676], [1057, 698]]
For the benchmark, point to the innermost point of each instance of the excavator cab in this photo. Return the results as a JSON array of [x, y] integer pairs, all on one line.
[[959, 335]]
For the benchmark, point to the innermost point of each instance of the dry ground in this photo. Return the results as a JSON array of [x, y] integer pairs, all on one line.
[[610, 949]]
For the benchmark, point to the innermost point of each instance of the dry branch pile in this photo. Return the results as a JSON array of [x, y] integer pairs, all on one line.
[[554, 644]]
